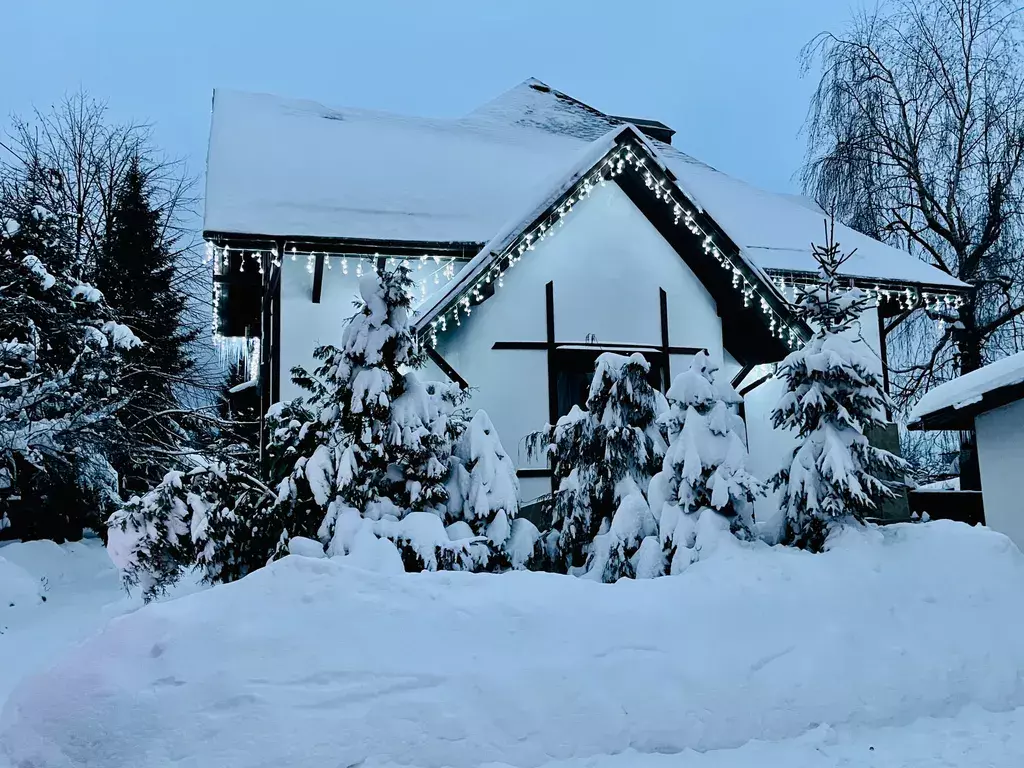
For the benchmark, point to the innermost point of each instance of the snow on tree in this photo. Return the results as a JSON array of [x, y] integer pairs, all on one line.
[[833, 397], [379, 441], [603, 459], [149, 539], [704, 469], [62, 379], [484, 492]]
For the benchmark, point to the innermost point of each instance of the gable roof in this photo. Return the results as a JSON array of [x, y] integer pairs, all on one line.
[[954, 405], [743, 292], [292, 168]]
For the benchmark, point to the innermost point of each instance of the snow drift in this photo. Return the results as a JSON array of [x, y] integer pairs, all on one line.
[[311, 662]]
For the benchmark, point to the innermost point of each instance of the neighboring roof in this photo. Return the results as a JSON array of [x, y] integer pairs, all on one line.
[[292, 168], [954, 405]]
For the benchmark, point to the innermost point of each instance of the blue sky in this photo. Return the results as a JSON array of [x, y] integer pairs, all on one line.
[[724, 73]]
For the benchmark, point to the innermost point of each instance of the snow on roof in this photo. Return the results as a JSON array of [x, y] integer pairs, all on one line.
[[550, 194], [971, 387], [290, 168], [594, 154]]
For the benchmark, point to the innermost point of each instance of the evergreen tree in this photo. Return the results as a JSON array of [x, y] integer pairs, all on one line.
[[377, 449], [704, 470], [135, 271], [833, 397], [62, 366], [484, 493], [149, 538], [603, 459]]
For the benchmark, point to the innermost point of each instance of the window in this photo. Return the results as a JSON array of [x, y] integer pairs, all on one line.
[[574, 371]]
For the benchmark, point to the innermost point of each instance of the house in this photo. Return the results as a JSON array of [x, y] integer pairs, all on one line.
[[541, 231], [990, 401]]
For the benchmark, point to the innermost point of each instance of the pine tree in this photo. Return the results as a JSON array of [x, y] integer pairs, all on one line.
[[704, 470], [375, 456], [149, 538], [833, 397], [135, 271], [484, 493], [62, 367], [603, 459]]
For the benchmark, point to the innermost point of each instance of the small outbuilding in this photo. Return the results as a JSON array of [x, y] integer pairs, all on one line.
[[991, 401]]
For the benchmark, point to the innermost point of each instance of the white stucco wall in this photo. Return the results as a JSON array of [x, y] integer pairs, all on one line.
[[1001, 459], [607, 264], [305, 325]]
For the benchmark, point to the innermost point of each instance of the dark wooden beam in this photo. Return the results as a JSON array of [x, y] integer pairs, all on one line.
[[275, 331], [663, 299], [739, 377], [534, 472], [887, 329], [520, 345], [441, 363], [541, 345], [549, 308], [318, 278], [883, 355], [754, 385]]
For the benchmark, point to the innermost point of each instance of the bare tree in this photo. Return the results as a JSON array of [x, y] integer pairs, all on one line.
[[916, 137], [76, 158], [84, 157]]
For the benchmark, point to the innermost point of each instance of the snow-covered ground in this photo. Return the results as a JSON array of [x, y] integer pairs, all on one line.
[[51, 598], [899, 647]]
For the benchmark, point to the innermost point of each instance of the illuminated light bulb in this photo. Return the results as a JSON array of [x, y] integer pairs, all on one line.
[[293, 253]]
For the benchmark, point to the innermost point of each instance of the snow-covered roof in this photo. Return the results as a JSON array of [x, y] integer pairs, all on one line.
[[294, 168], [597, 154], [968, 392]]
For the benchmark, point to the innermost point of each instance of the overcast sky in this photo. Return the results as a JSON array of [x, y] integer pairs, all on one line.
[[723, 73]]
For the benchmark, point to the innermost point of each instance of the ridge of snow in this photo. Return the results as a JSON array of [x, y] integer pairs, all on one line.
[[752, 644], [971, 387]]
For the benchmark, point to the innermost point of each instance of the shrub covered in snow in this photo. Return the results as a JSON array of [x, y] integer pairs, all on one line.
[[379, 441], [149, 538], [833, 396], [484, 493], [704, 470], [603, 459]]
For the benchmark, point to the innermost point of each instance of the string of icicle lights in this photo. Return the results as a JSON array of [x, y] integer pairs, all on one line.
[[428, 269], [613, 165], [683, 215], [907, 298]]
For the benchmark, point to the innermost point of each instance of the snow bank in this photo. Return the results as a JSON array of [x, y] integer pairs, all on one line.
[[18, 590], [62, 594], [310, 662]]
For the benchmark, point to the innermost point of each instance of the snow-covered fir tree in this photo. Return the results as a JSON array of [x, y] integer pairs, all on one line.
[[484, 497], [149, 538], [136, 271], [62, 368], [833, 397], [603, 459], [218, 517], [704, 469], [377, 449]]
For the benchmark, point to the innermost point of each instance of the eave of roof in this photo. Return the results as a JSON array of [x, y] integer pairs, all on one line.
[[293, 168], [594, 166]]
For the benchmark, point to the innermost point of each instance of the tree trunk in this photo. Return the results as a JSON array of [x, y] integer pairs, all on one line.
[[969, 342]]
